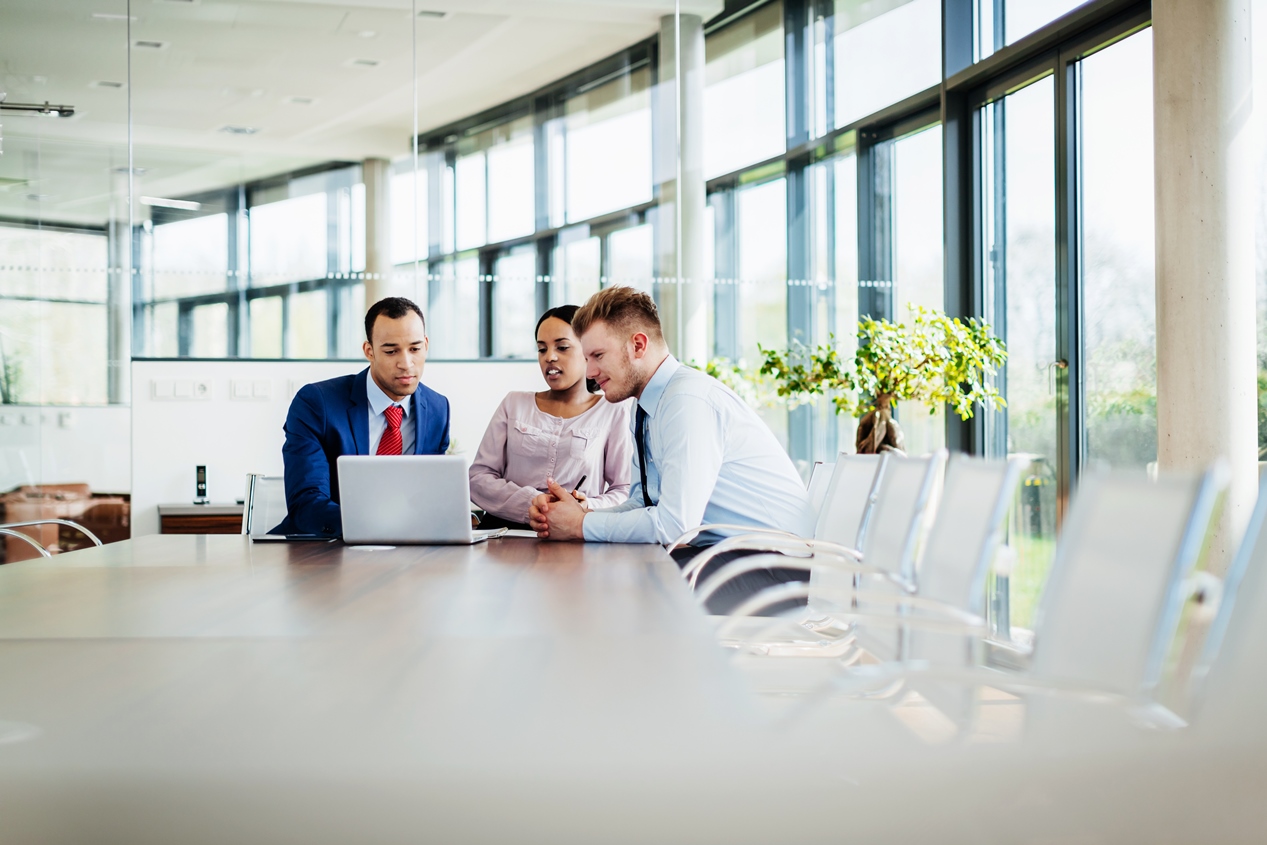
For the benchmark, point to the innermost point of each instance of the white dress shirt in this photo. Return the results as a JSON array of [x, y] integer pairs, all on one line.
[[710, 459], [379, 402]]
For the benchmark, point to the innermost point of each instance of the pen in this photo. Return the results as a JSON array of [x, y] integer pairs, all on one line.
[[579, 483]]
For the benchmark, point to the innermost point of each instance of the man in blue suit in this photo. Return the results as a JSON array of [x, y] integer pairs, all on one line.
[[382, 410]]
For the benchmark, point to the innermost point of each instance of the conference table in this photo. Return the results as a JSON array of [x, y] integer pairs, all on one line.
[[194, 688]]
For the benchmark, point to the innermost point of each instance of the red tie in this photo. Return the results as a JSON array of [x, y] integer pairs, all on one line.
[[389, 444]]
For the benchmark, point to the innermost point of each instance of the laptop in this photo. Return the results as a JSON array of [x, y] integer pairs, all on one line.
[[407, 499]]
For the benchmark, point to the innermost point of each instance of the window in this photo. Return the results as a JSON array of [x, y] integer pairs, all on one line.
[[288, 240], [52, 294], [191, 256], [744, 98], [511, 197], [454, 309], [515, 304], [266, 327], [577, 267], [631, 256], [608, 147], [210, 324], [472, 197], [410, 237], [918, 259], [1019, 245], [761, 236], [1002, 23], [884, 52], [1119, 296], [309, 325]]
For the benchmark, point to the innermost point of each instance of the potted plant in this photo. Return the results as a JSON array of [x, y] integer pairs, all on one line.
[[932, 359]]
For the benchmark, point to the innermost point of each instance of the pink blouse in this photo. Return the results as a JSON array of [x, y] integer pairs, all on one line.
[[523, 446]]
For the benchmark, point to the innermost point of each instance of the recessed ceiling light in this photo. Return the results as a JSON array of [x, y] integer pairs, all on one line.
[[367, 33], [300, 101], [426, 13], [179, 2], [110, 16], [239, 130], [104, 83], [363, 62], [150, 45], [161, 202]]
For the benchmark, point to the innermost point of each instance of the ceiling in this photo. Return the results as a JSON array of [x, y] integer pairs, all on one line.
[[315, 80]]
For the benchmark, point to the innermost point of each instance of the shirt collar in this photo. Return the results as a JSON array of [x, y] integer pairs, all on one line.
[[379, 401], [650, 398]]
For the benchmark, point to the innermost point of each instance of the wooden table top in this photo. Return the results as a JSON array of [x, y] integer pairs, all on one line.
[[207, 689]]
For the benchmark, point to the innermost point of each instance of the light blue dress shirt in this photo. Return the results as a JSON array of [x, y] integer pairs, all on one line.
[[710, 459], [380, 402]]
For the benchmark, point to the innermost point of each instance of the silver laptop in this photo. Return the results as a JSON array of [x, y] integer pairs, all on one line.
[[407, 499]]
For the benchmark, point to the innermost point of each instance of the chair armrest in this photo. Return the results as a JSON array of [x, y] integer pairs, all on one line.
[[721, 526], [66, 522], [807, 562], [12, 533], [787, 545]]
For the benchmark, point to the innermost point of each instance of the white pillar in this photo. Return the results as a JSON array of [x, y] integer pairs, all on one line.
[[1206, 382], [376, 173], [683, 238]]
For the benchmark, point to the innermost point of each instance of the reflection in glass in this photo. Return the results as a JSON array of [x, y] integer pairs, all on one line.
[[884, 53], [1019, 232], [744, 92], [917, 260], [1119, 342]]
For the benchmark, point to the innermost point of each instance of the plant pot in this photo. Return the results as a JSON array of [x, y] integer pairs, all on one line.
[[878, 431]]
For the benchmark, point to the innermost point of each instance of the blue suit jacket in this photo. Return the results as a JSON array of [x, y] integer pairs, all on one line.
[[331, 418]]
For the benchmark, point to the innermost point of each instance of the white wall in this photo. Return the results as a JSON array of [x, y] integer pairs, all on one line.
[[235, 432], [54, 444]]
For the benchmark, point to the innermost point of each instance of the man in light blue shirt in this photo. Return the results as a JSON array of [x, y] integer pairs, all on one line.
[[703, 456]]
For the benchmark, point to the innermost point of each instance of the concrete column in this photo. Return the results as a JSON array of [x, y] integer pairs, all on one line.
[[376, 173], [1206, 385], [122, 275], [679, 171]]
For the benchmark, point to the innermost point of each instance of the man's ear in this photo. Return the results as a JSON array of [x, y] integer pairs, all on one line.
[[368, 349], [639, 341]]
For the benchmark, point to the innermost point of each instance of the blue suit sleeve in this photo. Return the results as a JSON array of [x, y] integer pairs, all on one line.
[[308, 503], [444, 438]]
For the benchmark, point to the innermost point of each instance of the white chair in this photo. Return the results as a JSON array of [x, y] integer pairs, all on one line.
[[965, 535], [1110, 608], [1227, 683], [891, 534], [265, 504], [848, 499], [819, 479]]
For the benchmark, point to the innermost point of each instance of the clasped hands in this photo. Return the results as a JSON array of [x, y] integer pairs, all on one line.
[[558, 514]]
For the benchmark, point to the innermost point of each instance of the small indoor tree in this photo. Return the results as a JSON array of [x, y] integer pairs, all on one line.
[[932, 358]]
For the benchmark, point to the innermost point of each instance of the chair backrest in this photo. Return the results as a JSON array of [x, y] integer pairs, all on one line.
[[894, 532], [1114, 593], [819, 481], [1227, 689], [967, 530], [265, 504], [847, 501]]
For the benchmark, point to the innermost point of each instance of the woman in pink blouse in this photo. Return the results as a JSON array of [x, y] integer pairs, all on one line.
[[567, 433]]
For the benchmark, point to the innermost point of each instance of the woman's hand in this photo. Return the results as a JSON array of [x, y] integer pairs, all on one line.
[[581, 498]]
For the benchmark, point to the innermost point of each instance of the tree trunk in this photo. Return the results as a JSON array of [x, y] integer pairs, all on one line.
[[878, 431]]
